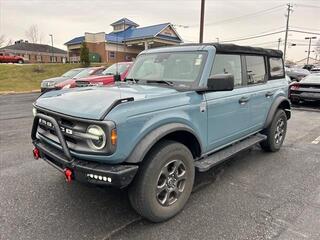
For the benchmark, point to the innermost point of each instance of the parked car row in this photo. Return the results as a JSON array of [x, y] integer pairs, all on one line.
[[305, 85], [81, 77]]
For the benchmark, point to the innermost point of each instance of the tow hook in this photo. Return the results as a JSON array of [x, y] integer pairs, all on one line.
[[36, 153], [68, 174]]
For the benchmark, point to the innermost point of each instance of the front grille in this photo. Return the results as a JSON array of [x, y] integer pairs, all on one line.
[[67, 127], [74, 131]]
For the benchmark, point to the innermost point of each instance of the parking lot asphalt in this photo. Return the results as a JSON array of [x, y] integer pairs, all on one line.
[[256, 195]]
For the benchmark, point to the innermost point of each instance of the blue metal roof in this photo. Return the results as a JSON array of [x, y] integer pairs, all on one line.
[[76, 40], [125, 21], [132, 34]]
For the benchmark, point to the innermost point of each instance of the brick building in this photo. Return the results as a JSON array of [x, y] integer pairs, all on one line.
[[125, 41], [33, 52]]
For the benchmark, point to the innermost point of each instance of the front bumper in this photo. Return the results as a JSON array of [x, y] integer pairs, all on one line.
[[119, 175]]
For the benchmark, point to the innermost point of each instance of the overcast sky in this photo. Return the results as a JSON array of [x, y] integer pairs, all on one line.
[[66, 19]]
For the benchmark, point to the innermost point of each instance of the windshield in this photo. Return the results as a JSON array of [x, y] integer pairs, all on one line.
[[311, 79], [175, 67], [84, 73], [116, 68], [72, 73]]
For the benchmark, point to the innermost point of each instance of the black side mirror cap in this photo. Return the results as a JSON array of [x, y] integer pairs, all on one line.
[[117, 77], [220, 82]]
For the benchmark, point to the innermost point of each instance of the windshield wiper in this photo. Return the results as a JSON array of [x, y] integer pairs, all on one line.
[[161, 81]]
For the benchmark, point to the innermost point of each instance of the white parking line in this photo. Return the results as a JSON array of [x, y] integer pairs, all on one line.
[[316, 141]]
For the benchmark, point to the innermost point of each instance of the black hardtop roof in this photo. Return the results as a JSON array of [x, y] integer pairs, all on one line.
[[233, 48]]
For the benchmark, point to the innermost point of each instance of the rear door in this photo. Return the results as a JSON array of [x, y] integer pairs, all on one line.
[[229, 111], [259, 90]]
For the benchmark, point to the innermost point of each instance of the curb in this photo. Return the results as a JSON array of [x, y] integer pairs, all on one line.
[[22, 92]]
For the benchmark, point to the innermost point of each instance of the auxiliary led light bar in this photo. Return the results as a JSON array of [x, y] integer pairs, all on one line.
[[99, 177]]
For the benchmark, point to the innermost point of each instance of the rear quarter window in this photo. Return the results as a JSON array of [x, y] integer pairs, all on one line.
[[276, 67]]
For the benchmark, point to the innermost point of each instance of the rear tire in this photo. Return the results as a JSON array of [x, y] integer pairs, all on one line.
[[164, 182], [276, 132], [20, 61]]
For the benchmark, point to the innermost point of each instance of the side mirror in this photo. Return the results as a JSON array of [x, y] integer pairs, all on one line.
[[220, 82], [117, 77]]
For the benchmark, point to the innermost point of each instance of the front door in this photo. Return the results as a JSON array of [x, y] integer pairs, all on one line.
[[228, 112]]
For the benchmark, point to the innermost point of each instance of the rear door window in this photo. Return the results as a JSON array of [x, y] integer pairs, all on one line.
[[256, 69], [228, 64]]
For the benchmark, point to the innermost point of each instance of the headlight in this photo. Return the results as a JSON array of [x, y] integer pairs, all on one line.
[[98, 132], [67, 86], [34, 111], [48, 83]]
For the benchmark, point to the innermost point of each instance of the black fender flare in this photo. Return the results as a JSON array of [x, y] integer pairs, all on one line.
[[281, 100], [148, 141]]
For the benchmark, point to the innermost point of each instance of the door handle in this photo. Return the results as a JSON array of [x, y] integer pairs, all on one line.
[[244, 100], [269, 94]]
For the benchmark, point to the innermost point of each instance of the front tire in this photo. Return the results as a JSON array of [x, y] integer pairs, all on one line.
[[20, 61], [276, 132], [164, 182]]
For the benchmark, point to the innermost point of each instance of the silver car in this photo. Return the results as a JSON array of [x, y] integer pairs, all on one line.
[[49, 84]]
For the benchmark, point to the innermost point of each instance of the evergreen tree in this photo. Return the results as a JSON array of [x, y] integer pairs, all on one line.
[[84, 55]]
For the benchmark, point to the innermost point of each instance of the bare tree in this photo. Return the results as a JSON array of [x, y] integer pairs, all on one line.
[[10, 42], [317, 47], [2, 40], [32, 34]]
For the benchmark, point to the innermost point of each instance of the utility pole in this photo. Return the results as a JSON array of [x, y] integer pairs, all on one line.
[[287, 30], [52, 54], [279, 42], [309, 38], [201, 21]]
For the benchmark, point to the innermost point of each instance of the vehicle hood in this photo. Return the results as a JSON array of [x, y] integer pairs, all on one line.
[[70, 81], [56, 79], [97, 78], [94, 102]]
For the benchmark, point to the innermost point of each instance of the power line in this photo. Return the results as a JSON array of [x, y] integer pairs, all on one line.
[[264, 43], [253, 37], [306, 5], [304, 28], [243, 16], [298, 31]]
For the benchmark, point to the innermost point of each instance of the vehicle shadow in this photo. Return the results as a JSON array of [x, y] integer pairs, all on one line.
[[312, 105]]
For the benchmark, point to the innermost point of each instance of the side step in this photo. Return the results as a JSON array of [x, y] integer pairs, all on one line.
[[224, 154]]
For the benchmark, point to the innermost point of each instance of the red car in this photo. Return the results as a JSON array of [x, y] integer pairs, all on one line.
[[7, 58], [71, 83], [107, 76]]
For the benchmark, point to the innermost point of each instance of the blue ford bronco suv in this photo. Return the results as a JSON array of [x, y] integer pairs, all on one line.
[[180, 109]]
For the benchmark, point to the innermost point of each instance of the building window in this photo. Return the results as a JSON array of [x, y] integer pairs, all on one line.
[[231, 64], [256, 69], [276, 67], [112, 55], [39, 58], [118, 27], [53, 59]]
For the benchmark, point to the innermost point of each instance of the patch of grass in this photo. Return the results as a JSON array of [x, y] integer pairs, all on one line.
[[27, 77]]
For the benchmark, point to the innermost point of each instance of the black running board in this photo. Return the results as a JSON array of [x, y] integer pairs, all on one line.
[[214, 159]]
